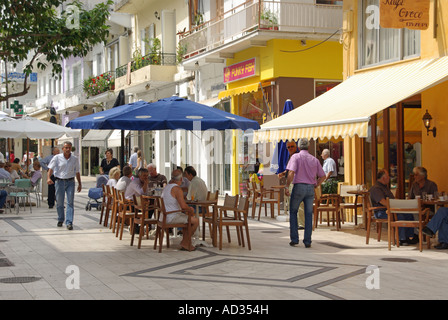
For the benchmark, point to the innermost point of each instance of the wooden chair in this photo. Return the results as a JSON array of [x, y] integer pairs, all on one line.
[[114, 210], [206, 212], [412, 206], [239, 220], [329, 203], [106, 205], [266, 196], [346, 204], [371, 218], [124, 213], [163, 226], [142, 207]]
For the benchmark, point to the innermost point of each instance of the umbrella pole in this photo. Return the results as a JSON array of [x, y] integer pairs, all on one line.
[[27, 154], [122, 150]]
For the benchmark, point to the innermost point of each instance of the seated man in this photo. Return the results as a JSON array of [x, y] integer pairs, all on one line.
[[155, 177], [197, 190], [3, 173], [439, 223], [173, 198], [37, 174], [421, 183], [125, 180], [12, 173], [139, 185], [378, 193]]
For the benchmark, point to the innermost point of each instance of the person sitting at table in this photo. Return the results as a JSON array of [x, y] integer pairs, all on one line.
[[12, 173], [3, 196], [3, 173], [421, 183], [139, 185], [16, 165], [173, 199], [439, 222], [114, 175], [197, 190], [185, 182], [125, 180], [378, 194], [156, 177], [37, 173]]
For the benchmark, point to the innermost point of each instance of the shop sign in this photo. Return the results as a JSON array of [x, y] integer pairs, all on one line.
[[410, 14], [241, 70]]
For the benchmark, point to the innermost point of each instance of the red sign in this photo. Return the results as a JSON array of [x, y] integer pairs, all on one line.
[[241, 70]]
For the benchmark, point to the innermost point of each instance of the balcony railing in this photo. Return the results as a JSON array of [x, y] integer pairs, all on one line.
[[168, 59], [255, 15]]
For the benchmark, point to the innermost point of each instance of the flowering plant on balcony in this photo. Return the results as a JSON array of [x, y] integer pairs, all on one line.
[[99, 84]]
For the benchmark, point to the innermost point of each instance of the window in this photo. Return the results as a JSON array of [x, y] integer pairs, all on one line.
[[379, 45]]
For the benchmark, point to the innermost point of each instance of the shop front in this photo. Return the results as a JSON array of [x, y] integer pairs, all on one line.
[[379, 116]]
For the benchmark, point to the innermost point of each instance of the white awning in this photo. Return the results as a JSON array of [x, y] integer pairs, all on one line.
[[345, 110], [115, 138], [96, 138]]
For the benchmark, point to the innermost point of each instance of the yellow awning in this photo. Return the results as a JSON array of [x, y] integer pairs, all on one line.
[[345, 110], [235, 91]]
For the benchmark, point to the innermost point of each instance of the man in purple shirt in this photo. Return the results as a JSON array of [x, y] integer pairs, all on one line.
[[303, 171]]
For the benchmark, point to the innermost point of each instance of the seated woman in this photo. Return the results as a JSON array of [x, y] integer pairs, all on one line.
[[114, 175]]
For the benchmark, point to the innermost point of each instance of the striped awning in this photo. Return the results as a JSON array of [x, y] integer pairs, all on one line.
[[345, 110], [235, 91]]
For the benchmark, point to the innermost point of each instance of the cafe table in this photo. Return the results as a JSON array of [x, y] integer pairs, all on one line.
[[198, 204], [364, 194], [437, 203]]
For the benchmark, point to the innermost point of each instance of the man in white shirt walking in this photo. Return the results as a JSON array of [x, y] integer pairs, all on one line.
[[65, 167], [329, 165]]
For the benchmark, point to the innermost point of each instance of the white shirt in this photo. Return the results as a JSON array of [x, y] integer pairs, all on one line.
[[198, 189], [123, 183], [133, 188], [64, 168], [111, 182], [330, 165]]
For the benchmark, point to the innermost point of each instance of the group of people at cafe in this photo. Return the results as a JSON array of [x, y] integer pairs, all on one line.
[[304, 173], [137, 179]]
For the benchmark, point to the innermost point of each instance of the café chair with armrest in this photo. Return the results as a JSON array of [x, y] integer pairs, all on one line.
[[409, 206], [239, 220], [106, 204], [329, 203], [371, 218], [163, 226], [265, 196], [346, 204], [21, 190], [207, 212], [124, 213], [142, 206]]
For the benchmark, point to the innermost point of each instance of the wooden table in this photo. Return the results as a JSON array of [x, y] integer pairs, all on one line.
[[363, 194], [436, 203], [203, 203]]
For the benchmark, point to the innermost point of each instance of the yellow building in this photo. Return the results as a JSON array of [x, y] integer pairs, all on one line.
[[284, 69], [392, 77]]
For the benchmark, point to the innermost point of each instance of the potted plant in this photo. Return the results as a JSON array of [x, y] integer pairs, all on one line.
[[268, 20], [181, 51], [99, 84], [330, 187]]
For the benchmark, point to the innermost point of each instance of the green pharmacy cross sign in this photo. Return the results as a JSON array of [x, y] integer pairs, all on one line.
[[18, 108]]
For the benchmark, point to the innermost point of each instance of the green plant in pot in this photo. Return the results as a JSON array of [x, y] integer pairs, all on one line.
[[330, 187]]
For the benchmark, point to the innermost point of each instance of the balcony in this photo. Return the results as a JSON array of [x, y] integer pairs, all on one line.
[[255, 22], [149, 71]]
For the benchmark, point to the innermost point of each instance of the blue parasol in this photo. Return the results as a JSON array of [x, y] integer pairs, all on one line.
[[166, 114], [281, 154]]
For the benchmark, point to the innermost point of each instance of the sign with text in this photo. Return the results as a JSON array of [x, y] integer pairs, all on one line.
[[410, 14], [241, 70]]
